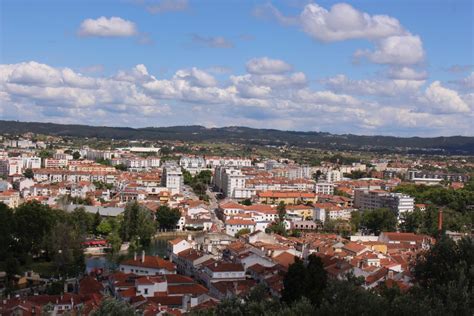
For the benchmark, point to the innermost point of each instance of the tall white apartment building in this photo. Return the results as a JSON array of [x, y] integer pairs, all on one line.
[[172, 178], [100, 154], [213, 162], [31, 162], [230, 182], [193, 164], [324, 188], [11, 166], [55, 163], [62, 156], [373, 199], [333, 176]]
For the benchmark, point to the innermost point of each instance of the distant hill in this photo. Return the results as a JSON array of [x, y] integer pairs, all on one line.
[[252, 136]]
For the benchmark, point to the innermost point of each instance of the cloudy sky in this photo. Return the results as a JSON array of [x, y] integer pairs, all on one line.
[[393, 67]]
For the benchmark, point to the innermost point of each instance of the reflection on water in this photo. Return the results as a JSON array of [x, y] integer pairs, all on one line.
[[156, 248]]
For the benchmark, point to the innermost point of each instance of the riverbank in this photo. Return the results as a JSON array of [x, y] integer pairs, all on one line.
[[177, 234]]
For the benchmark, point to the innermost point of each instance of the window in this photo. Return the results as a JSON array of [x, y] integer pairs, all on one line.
[[146, 291]]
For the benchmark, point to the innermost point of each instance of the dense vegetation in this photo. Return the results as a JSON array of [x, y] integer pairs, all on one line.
[[244, 135], [48, 241], [457, 207]]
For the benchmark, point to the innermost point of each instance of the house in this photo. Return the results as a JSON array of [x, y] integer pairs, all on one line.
[[178, 245], [222, 271], [147, 265], [288, 197], [232, 226]]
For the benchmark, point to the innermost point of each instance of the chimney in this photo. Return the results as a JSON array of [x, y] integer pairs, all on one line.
[[135, 256], [143, 255], [440, 220]]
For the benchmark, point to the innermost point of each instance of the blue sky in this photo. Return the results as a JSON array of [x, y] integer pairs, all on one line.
[[372, 67]]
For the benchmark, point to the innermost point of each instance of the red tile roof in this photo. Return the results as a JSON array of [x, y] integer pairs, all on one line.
[[151, 262]]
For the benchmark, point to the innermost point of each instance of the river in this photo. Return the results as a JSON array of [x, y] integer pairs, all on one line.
[[156, 248]]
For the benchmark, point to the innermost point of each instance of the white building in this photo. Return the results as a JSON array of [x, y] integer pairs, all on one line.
[[172, 178], [324, 188], [193, 164], [231, 182], [147, 265], [333, 176], [232, 226]]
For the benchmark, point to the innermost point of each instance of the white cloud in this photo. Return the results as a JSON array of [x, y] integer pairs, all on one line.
[[468, 82], [196, 77], [342, 84], [397, 50], [438, 99], [343, 22], [134, 97], [107, 27], [394, 44], [265, 65], [407, 73]]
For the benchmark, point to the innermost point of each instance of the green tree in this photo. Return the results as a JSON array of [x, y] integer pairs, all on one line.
[[241, 232], [281, 208], [411, 222], [82, 221], [379, 220], [28, 173], [33, 222], [7, 230], [137, 222], [166, 217], [104, 227], [111, 306], [293, 282], [76, 155], [96, 222], [64, 248], [246, 202]]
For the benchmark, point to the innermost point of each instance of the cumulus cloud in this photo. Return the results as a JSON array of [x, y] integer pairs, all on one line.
[[196, 77], [407, 73], [264, 98], [393, 43], [107, 27], [399, 50], [343, 84], [439, 99], [214, 42], [265, 65], [343, 22]]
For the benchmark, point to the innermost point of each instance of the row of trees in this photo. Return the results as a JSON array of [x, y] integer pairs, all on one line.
[[199, 183], [35, 232]]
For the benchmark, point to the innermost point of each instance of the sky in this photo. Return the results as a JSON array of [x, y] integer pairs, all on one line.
[[392, 67]]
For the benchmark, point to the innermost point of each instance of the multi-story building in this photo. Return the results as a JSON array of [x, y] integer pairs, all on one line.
[[373, 199], [333, 176], [231, 182], [172, 178], [55, 163], [192, 164], [324, 188], [429, 177], [213, 162]]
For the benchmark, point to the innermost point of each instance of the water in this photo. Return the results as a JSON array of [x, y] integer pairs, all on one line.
[[157, 248]]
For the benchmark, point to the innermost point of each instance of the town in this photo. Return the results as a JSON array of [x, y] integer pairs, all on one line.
[[96, 226]]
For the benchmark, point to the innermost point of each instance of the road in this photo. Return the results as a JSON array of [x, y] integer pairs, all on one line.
[[213, 205]]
